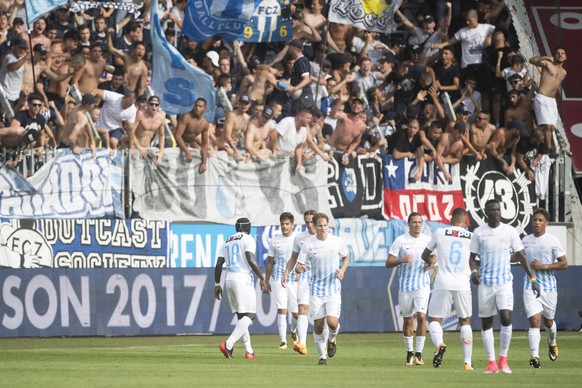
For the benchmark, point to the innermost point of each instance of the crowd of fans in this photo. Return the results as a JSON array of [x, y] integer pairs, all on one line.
[[449, 83]]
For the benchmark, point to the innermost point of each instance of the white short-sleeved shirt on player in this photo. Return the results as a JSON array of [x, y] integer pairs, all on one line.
[[413, 276], [280, 248], [289, 138], [452, 247], [495, 246], [545, 249], [300, 238], [233, 250], [325, 258], [472, 43]]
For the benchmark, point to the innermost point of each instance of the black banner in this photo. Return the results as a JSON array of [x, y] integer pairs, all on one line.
[[481, 180], [356, 190]]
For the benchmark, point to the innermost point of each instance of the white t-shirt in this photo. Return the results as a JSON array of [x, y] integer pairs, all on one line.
[[413, 276], [495, 246], [233, 250], [452, 247], [289, 137], [112, 116], [325, 258], [280, 249], [472, 43], [545, 249], [11, 81]]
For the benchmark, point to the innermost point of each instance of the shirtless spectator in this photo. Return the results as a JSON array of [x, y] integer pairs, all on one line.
[[449, 149], [504, 141], [349, 129], [37, 34], [77, 132], [148, 124], [257, 134], [519, 107], [135, 68], [480, 133], [88, 77], [430, 140], [118, 113], [313, 17], [553, 73], [235, 124], [406, 143], [41, 69], [339, 36], [57, 91], [263, 83], [193, 131]]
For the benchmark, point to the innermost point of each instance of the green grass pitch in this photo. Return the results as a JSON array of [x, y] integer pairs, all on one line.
[[362, 360]]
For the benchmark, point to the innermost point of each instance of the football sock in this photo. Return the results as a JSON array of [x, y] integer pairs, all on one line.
[[408, 343], [241, 327], [534, 336], [302, 329], [319, 344], [420, 343], [488, 343], [282, 325], [436, 333], [325, 331], [504, 340], [293, 323], [552, 332], [467, 343], [246, 340]]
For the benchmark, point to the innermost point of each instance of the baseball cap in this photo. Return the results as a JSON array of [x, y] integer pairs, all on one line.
[[213, 55], [358, 99], [88, 98], [462, 110], [326, 63], [429, 18], [268, 112], [18, 42], [244, 99], [296, 43], [515, 76], [41, 48], [517, 124]]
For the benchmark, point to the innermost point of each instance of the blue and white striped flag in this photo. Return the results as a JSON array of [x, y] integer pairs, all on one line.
[[36, 8], [176, 82]]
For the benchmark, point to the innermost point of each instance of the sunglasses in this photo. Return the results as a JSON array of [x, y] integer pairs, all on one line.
[[36, 105], [153, 104], [481, 118]]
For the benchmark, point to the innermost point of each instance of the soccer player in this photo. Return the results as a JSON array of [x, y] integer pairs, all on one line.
[[280, 249], [300, 336], [545, 255], [328, 257], [414, 285], [493, 242], [451, 285], [238, 252]]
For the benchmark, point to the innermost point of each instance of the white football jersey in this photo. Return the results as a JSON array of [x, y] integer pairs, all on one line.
[[233, 250], [413, 276], [545, 249], [280, 248], [452, 248], [325, 258]]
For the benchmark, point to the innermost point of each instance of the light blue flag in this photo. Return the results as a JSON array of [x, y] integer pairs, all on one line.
[[36, 8], [247, 20], [226, 18], [176, 82]]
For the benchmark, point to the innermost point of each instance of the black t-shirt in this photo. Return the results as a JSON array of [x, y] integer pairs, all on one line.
[[28, 122], [408, 84], [300, 67], [399, 141]]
